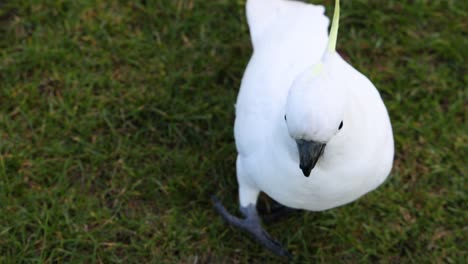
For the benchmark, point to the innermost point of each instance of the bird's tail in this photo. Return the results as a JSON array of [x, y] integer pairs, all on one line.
[[263, 14], [260, 13]]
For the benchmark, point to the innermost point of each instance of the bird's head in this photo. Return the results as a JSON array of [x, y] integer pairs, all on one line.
[[316, 104], [314, 113]]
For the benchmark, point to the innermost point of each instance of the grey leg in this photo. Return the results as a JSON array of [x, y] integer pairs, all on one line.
[[251, 224]]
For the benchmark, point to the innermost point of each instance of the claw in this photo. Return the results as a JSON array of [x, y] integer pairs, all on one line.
[[252, 225]]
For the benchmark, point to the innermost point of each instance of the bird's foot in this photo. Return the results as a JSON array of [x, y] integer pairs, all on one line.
[[251, 224], [278, 214], [274, 211]]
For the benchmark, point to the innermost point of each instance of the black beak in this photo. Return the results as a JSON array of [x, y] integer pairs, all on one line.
[[309, 153]]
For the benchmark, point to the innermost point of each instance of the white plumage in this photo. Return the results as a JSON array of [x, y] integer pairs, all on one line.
[[297, 91], [289, 38]]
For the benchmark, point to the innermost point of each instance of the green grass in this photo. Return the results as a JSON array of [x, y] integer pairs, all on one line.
[[116, 123]]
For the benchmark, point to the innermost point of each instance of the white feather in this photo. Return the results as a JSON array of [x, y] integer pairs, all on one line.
[[289, 38]]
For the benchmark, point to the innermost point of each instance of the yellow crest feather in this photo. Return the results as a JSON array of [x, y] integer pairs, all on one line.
[[334, 28]]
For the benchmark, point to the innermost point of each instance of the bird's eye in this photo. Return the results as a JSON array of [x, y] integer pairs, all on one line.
[[341, 125], [285, 118]]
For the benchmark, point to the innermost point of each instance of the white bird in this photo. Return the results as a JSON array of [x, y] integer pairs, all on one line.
[[311, 131]]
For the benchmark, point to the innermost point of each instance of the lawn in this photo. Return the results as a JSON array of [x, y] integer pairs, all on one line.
[[116, 122]]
